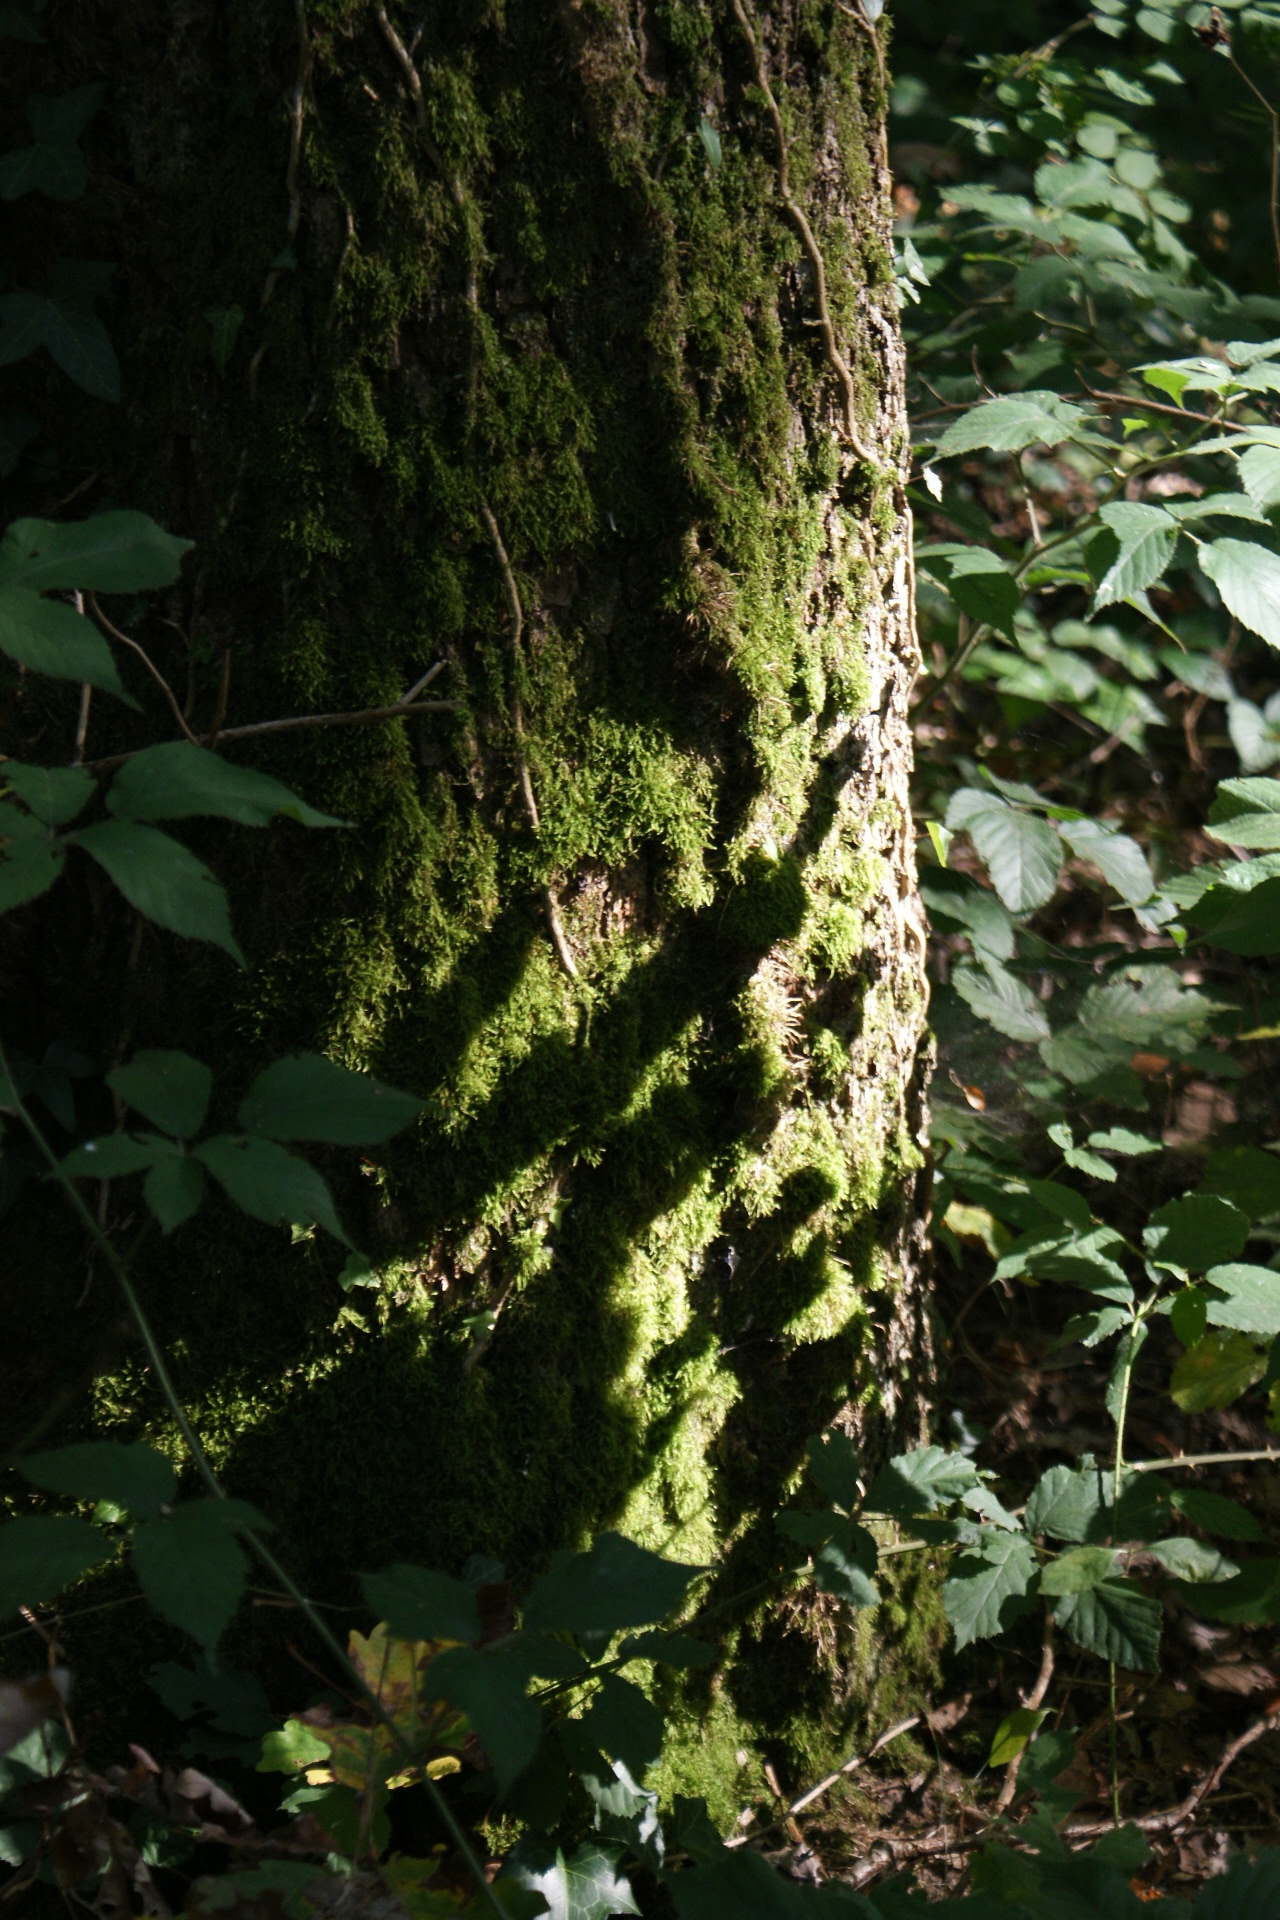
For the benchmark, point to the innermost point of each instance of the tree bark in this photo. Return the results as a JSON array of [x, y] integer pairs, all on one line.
[[558, 343]]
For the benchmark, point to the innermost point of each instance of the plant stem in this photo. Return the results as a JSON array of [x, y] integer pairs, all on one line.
[[206, 1471]]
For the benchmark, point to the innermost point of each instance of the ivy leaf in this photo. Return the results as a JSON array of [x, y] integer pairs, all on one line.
[[271, 1184], [418, 1605], [307, 1097], [135, 1477], [1248, 578], [162, 880], [76, 340], [1146, 537], [175, 781], [169, 1087], [585, 1885], [614, 1584], [1215, 1372], [988, 1591], [1022, 851], [1115, 1620], [42, 1554]]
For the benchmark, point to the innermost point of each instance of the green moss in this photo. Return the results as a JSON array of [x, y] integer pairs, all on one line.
[[652, 1174]]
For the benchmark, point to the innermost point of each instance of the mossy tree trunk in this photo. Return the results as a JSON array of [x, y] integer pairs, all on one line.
[[555, 343]]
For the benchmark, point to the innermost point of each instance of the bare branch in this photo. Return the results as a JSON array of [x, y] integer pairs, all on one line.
[[147, 662]]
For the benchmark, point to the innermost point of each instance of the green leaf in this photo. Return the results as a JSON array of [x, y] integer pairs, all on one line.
[[490, 1690], [1115, 1620], [1001, 999], [39, 1556], [743, 1886], [418, 1605], [1015, 420], [271, 1184], [31, 861], [292, 1748], [1013, 1733], [1246, 813], [1216, 1514], [75, 337], [50, 638], [307, 1097], [169, 1087], [162, 880], [983, 587], [1195, 1233], [1120, 860], [1260, 475], [53, 794], [1251, 1599], [625, 1725], [1244, 1297], [1078, 1570], [176, 781], [1022, 852], [1248, 578], [1192, 1560], [112, 1156], [987, 1591], [192, 1569], [585, 1885], [920, 1482], [1145, 537], [119, 552], [842, 1565], [224, 327], [173, 1189], [135, 1477], [1215, 1372], [1246, 1176], [1066, 1503], [835, 1464], [1189, 1315], [1245, 923], [614, 1584]]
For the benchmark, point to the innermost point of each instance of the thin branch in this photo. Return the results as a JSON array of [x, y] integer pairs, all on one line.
[[813, 251], [811, 1794], [124, 641], [364, 716], [1203, 1460], [1034, 1700], [1174, 1817]]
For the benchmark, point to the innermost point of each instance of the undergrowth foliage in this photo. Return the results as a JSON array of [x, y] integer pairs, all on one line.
[[1098, 426]]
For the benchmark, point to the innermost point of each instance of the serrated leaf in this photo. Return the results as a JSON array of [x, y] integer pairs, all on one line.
[[112, 1156], [118, 552], [419, 1605], [920, 1482], [173, 1189], [1260, 474], [1196, 1232], [1066, 1503], [1251, 1598], [158, 876], [1001, 999], [1119, 859], [1115, 1620], [176, 781], [1192, 1560], [192, 1569], [1244, 1297], [271, 1184], [1077, 1571], [1246, 813], [42, 1554], [625, 1725], [1248, 578], [1145, 537], [1022, 852], [54, 795], [1015, 420], [1247, 923], [307, 1097], [135, 1477], [987, 1592], [1215, 1372], [1216, 1514], [169, 1087], [1189, 1315], [614, 1584]]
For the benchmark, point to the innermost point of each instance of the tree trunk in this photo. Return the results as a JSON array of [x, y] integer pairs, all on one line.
[[555, 344]]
